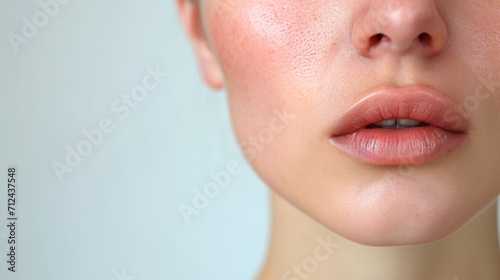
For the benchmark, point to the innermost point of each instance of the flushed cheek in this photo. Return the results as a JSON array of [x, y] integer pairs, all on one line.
[[271, 44], [272, 54], [298, 38], [474, 35]]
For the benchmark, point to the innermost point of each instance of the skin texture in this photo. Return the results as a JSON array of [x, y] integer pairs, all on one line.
[[313, 59]]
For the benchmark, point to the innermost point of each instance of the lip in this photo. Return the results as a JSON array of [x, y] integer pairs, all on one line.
[[446, 132]]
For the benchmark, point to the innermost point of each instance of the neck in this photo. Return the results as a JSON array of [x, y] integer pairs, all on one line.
[[300, 248]]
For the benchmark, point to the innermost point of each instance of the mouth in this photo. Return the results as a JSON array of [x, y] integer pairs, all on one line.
[[400, 126]]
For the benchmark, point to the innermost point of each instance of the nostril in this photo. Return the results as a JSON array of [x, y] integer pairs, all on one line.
[[375, 39], [399, 28], [424, 38]]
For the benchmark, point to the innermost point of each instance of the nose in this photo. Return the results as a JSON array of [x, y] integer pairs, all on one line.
[[400, 27]]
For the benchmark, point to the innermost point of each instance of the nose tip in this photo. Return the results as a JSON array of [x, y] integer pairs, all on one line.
[[398, 27]]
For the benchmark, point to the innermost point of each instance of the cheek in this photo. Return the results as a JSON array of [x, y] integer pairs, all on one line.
[[475, 35], [257, 39], [272, 54], [476, 42]]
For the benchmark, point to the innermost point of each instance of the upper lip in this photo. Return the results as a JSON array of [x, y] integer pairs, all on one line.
[[418, 103]]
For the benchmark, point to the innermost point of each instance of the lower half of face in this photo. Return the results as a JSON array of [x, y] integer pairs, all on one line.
[[292, 71]]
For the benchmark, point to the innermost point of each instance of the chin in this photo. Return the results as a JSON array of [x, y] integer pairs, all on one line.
[[374, 229], [377, 208], [397, 212]]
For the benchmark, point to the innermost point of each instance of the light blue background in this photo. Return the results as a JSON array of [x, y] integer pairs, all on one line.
[[119, 208], [116, 215]]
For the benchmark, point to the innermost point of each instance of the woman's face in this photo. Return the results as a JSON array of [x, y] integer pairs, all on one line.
[[307, 79]]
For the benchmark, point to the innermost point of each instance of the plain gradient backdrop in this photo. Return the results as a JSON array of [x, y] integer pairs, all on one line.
[[116, 215]]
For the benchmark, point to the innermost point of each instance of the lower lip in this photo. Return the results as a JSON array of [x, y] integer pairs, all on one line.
[[399, 147]]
